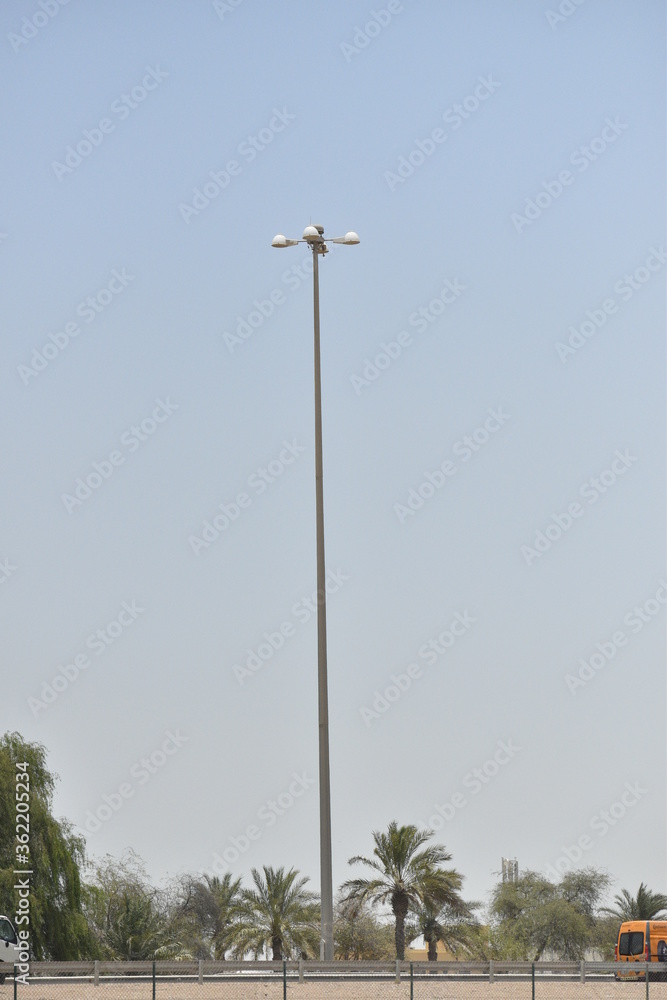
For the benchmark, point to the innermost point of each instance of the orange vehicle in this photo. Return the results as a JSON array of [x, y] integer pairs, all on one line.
[[642, 941]]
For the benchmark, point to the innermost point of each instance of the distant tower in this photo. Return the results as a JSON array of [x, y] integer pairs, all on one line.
[[510, 870]]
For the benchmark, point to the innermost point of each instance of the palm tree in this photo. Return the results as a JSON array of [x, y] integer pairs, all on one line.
[[451, 924], [210, 906], [138, 930], [646, 905], [279, 912], [407, 877]]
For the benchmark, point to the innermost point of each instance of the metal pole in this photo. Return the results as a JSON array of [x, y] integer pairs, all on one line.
[[326, 877]]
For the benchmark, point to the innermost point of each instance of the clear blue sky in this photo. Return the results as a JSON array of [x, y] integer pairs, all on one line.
[[494, 425]]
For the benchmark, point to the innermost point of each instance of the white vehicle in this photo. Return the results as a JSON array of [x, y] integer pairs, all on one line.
[[9, 947]]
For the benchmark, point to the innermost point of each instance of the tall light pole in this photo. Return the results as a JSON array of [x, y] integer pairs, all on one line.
[[313, 236]]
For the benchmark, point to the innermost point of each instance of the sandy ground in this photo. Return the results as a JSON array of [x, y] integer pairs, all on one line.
[[357, 990]]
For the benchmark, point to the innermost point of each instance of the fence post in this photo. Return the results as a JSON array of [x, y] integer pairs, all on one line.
[[153, 980], [582, 971], [647, 979], [398, 970], [411, 982], [490, 970], [284, 979], [300, 970], [16, 985], [532, 979], [96, 972], [200, 972]]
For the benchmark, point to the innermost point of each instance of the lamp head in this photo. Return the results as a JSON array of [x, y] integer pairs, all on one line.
[[280, 241], [350, 239]]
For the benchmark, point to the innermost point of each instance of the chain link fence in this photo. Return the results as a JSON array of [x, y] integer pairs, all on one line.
[[337, 981]]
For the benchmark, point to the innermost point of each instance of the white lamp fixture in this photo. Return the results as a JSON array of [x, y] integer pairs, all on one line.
[[350, 239], [280, 241], [313, 235]]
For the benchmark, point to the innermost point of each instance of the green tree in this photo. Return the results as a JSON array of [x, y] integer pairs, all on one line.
[[484, 942], [533, 915], [278, 913], [58, 929], [452, 924], [128, 918], [359, 935], [208, 914], [408, 876], [646, 905], [604, 936]]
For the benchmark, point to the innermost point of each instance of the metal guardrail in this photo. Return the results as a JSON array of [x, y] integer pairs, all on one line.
[[301, 970]]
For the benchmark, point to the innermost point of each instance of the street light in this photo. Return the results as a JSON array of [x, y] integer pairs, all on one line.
[[313, 236]]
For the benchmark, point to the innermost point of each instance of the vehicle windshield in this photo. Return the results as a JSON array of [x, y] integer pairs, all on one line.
[[631, 943], [7, 931]]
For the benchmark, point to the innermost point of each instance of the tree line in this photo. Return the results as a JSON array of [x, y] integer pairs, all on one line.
[[108, 909]]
